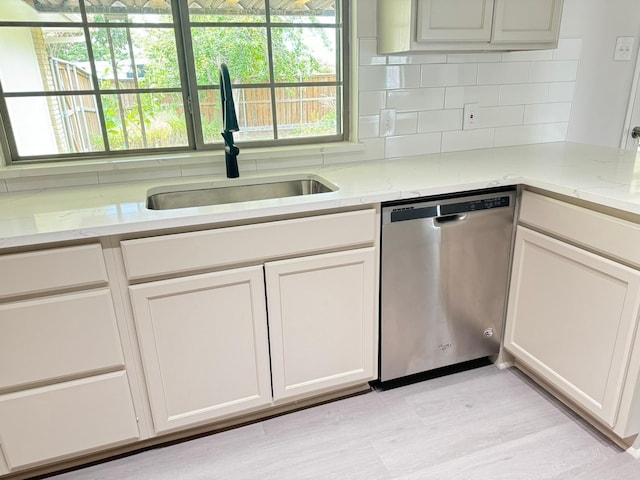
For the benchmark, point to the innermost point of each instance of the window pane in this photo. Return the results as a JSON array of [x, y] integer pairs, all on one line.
[[63, 124], [152, 11], [41, 11], [244, 50], [253, 109], [303, 11], [227, 11], [211, 115], [127, 11], [306, 111], [145, 120], [37, 60], [304, 54], [155, 58]]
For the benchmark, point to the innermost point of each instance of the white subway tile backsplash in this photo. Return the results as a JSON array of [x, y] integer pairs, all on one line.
[[523, 93], [275, 162], [568, 49], [486, 96], [372, 78], [556, 71], [554, 132], [467, 139], [130, 175], [407, 123], [209, 168], [518, 135], [402, 76], [20, 184], [367, 54], [380, 77], [547, 113], [416, 99], [445, 75], [489, 117], [440, 120], [417, 59], [373, 150], [561, 92], [368, 126], [527, 56], [407, 145], [371, 102], [503, 73], [524, 96], [483, 57]]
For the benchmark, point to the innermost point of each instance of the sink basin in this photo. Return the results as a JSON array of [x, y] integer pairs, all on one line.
[[198, 195]]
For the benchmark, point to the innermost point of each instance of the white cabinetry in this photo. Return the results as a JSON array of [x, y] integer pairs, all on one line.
[[63, 388], [203, 335], [204, 345], [573, 311], [467, 25], [320, 312]]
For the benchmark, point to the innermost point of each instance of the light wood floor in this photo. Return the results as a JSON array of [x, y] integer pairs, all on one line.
[[479, 424]]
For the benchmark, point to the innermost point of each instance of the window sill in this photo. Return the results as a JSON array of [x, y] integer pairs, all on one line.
[[182, 164]]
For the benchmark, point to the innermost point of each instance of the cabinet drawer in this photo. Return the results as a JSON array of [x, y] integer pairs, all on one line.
[[66, 419], [184, 252], [52, 269], [52, 338], [597, 231]]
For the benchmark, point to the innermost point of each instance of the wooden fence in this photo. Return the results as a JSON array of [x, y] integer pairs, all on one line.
[[77, 113], [296, 107]]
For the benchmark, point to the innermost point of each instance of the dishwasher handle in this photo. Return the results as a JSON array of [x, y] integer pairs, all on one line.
[[447, 212], [450, 219]]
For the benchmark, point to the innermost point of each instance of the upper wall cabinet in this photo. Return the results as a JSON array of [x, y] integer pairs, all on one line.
[[467, 25]]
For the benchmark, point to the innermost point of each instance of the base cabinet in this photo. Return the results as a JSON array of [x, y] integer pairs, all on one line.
[[320, 311], [572, 319], [219, 344], [64, 386], [51, 423], [204, 346]]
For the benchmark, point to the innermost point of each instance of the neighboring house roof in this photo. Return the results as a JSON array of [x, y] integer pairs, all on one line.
[[300, 7]]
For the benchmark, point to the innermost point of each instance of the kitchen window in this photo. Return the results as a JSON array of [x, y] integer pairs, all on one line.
[[103, 78]]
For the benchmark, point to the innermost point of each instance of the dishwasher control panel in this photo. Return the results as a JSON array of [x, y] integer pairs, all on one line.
[[415, 211]]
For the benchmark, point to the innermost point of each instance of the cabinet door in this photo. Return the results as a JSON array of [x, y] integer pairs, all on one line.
[[66, 419], [527, 21], [204, 346], [454, 20], [322, 322], [571, 319]]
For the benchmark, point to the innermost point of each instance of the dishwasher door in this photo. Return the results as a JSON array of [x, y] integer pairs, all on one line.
[[445, 266]]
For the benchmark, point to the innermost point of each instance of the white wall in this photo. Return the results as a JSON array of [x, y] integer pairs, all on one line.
[[575, 93], [603, 85]]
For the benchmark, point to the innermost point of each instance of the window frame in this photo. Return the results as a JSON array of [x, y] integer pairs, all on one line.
[[189, 88]]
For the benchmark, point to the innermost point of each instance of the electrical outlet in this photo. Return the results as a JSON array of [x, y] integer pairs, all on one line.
[[471, 112], [624, 47]]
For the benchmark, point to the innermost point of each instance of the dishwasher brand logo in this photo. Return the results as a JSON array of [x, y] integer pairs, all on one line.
[[445, 346]]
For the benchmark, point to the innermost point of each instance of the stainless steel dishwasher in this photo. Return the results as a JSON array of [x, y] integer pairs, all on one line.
[[445, 263]]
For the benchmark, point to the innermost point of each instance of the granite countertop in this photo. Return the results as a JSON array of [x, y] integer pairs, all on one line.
[[606, 176]]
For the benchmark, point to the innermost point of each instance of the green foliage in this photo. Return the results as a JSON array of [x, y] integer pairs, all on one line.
[[161, 121]]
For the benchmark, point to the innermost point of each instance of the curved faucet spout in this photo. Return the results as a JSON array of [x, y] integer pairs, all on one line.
[[229, 123]]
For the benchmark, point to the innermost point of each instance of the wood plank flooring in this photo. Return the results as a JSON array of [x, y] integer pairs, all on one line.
[[480, 424]]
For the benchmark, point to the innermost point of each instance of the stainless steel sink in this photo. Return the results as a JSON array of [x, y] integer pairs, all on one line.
[[183, 196]]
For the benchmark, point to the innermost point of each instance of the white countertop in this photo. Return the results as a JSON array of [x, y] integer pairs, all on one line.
[[609, 177]]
